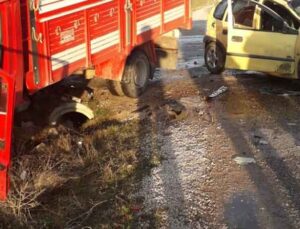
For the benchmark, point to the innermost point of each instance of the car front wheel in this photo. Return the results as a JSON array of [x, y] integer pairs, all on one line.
[[214, 58]]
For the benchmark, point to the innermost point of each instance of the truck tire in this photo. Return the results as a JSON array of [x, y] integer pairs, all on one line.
[[214, 57], [115, 87], [136, 74]]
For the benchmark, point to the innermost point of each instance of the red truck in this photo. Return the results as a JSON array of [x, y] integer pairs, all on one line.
[[44, 41]]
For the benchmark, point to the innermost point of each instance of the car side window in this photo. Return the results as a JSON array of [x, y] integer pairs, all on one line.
[[269, 23], [243, 14], [220, 10], [281, 11]]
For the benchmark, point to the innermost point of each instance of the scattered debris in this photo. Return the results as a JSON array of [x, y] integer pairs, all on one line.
[[244, 160], [201, 113], [40, 147], [80, 143], [90, 93], [53, 132], [263, 142], [23, 175], [174, 108], [256, 136], [259, 140], [218, 92], [68, 98]]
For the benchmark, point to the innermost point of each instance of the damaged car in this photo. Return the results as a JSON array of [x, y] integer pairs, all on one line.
[[254, 35]]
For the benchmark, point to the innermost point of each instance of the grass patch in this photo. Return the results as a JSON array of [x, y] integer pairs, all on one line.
[[79, 178]]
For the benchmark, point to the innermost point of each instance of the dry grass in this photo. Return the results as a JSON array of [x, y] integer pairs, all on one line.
[[76, 178]]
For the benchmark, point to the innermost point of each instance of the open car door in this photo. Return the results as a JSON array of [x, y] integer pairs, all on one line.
[[7, 94], [259, 39]]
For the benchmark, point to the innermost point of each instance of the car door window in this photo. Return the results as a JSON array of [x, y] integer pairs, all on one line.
[[220, 10], [269, 23], [283, 12], [243, 14]]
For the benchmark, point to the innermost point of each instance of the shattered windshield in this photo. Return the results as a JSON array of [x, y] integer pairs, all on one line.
[[295, 5]]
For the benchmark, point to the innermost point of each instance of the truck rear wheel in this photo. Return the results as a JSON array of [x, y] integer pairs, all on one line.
[[136, 74], [115, 87]]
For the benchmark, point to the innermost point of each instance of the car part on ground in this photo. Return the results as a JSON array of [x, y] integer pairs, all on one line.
[[67, 108]]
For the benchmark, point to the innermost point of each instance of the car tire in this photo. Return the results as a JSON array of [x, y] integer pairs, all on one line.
[[115, 87], [214, 57], [136, 74]]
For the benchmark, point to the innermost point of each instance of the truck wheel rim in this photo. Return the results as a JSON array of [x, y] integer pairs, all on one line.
[[141, 73]]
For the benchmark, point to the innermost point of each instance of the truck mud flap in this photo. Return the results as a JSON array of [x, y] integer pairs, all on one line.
[[7, 94]]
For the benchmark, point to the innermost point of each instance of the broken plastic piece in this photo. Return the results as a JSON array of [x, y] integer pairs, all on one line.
[[244, 160], [218, 92]]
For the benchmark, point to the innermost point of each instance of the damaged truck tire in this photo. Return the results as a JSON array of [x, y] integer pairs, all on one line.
[[136, 74], [72, 107]]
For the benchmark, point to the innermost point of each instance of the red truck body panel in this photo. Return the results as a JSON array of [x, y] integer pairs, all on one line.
[[74, 34], [44, 41], [7, 101]]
